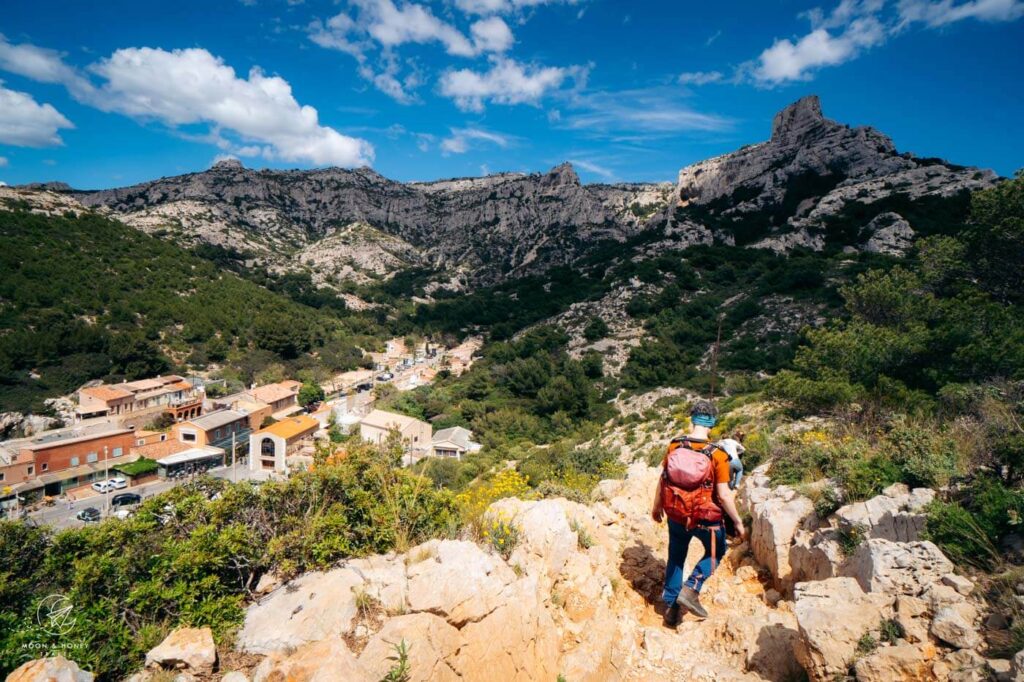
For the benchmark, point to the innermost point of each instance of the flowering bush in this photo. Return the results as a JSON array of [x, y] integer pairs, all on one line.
[[501, 534], [506, 483]]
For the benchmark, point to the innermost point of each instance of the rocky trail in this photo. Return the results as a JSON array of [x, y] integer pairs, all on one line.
[[577, 600]]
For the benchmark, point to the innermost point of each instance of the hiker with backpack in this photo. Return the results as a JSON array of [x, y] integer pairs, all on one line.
[[694, 494]]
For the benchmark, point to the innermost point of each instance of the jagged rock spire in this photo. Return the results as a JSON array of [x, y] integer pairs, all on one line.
[[796, 120]]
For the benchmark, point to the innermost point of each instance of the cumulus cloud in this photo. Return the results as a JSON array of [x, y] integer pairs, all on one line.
[[854, 26], [462, 139], [700, 77], [192, 86], [27, 123], [789, 61], [42, 65], [935, 14], [492, 35], [505, 82]]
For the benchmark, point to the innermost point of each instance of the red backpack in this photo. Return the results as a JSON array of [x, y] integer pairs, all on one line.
[[688, 484]]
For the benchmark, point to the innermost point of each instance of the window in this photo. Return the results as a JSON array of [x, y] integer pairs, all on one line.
[[267, 448], [2, 475], [163, 437], [45, 466], [31, 470], [91, 457], [140, 441], [74, 461], [217, 434], [188, 437], [118, 452]]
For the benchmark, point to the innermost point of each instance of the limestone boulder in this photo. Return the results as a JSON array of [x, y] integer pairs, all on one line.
[[815, 555], [776, 520], [54, 669], [897, 568], [905, 662], [912, 616], [235, 676], [327, 660], [545, 534], [896, 515], [832, 615], [518, 641], [962, 666], [313, 607], [954, 627], [384, 579], [457, 580], [959, 583], [1017, 667], [431, 645], [191, 649]]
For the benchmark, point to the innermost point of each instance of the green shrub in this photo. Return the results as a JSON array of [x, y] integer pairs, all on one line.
[[926, 457], [957, 532], [850, 537]]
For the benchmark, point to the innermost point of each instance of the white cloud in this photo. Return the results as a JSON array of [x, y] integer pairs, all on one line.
[[712, 38], [391, 26], [504, 6], [854, 26], [789, 61], [3, 162], [700, 77], [639, 113], [491, 35], [192, 86], [944, 12], [27, 123], [42, 65], [462, 139], [335, 35], [594, 168], [506, 82]]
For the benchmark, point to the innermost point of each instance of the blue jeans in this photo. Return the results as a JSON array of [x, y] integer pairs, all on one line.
[[678, 542]]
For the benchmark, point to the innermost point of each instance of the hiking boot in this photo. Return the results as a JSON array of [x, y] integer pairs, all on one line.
[[689, 598], [672, 616]]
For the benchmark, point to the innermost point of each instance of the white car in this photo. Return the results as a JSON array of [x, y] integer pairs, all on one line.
[[102, 487], [118, 483]]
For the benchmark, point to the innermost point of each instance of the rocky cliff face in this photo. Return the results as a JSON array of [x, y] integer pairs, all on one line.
[[811, 180], [815, 183], [497, 226]]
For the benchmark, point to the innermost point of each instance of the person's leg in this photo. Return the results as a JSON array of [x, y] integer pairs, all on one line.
[[678, 541], [702, 571]]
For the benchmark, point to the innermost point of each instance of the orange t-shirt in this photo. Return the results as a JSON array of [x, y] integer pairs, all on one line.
[[719, 457]]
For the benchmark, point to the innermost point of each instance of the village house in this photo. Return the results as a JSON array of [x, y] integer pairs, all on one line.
[[282, 396], [54, 462], [415, 433], [283, 446], [453, 443], [215, 429], [134, 403]]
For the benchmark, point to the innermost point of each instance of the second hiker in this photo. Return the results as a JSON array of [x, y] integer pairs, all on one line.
[[694, 493]]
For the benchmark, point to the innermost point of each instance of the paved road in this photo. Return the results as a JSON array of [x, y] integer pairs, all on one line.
[[60, 515]]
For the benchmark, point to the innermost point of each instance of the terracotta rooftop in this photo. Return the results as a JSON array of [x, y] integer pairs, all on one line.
[[106, 393], [271, 393], [292, 426]]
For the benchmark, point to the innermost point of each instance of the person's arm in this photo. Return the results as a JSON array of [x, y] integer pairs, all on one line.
[[727, 499], [656, 510]]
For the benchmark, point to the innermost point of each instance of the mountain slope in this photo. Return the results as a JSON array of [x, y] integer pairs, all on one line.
[[817, 183], [493, 227], [84, 297]]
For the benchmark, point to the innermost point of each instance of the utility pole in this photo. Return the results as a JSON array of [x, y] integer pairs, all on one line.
[[234, 478], [106, 479]]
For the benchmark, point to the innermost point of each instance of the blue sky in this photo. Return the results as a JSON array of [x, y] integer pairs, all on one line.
[[113, 93]]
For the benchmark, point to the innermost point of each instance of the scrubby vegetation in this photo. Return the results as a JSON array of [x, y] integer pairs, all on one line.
[[86, 297], [192, 555]]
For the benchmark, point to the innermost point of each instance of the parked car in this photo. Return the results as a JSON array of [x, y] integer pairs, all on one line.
[[125, 499], [119, 483], [386, 376], [102, 487], [123, 513], [89, 515], [364, 387]]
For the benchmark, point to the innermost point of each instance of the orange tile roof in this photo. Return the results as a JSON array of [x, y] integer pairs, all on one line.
[[292, 426], [106, 393], [271, 393], [160, 448]]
